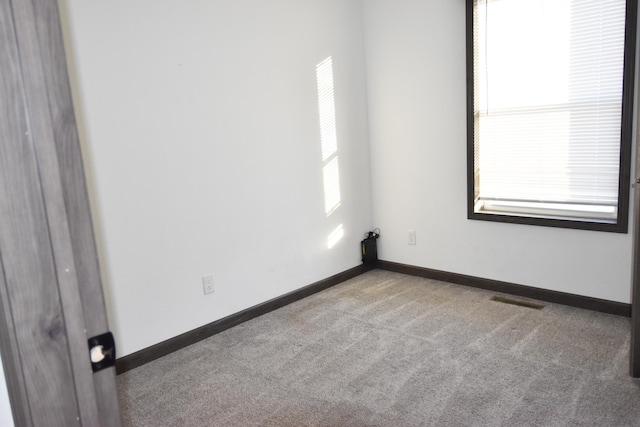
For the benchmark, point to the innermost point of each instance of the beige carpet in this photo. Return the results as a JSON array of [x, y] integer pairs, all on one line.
[[386, 349]]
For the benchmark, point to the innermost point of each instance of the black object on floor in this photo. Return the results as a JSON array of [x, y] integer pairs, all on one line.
[[370, 248]]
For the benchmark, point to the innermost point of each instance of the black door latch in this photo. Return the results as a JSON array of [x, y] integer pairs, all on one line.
[[102, 352]]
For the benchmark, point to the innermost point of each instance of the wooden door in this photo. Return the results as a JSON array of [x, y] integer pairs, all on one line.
[[51, 298]]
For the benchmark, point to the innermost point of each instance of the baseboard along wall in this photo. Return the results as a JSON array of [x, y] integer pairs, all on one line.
[[163, 348], [579, 301], [156, 351]]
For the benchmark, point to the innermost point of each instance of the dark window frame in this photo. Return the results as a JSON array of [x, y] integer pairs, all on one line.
[[626, 137]]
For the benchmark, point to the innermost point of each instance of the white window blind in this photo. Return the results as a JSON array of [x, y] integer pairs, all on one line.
[[548, 86]]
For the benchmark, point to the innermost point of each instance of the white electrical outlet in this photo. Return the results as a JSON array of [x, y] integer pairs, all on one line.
[[412, 237], [207, 284]]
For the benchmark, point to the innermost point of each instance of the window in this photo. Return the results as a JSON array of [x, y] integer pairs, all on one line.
[[549, 114]]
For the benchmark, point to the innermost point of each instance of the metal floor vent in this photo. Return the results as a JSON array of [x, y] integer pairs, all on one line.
[[517, 302]]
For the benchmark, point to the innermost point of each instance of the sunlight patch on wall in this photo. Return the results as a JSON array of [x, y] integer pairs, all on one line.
[[335, 236], [328, 136], [331, 178], [327, 108]]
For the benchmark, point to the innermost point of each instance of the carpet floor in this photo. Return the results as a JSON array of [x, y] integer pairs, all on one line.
[[387, 349]]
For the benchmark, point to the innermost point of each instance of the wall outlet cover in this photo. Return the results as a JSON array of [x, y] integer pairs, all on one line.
[[207, 284]]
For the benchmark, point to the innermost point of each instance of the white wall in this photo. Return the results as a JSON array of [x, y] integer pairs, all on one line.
[[201, 137], [415, 54], [6, 416], [199, 121]]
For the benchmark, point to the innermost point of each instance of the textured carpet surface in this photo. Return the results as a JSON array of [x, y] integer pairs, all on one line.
[[386, 349]]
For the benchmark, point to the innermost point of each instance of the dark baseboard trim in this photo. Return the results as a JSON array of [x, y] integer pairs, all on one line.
[[156, 351], [595, 304]]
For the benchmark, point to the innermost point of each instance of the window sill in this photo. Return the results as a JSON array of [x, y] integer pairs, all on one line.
[[547, 220]]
